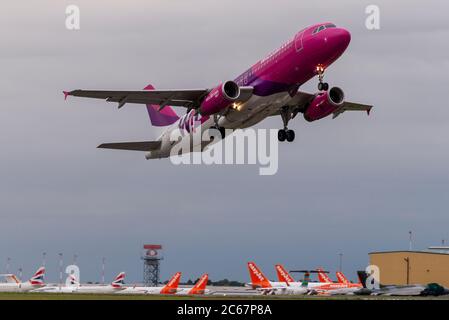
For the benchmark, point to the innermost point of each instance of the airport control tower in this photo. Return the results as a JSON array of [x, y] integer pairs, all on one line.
[[151, 257]]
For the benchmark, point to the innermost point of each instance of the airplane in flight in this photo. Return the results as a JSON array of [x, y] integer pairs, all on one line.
[[13, 284], [170, 288], [270, 88], [76, 287]]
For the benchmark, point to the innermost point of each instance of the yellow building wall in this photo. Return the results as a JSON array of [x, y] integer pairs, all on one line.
[[424, 267]]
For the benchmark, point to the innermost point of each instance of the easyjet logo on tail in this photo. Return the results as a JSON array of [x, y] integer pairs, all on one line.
[[257, 277], [341, 277], [200, 286], [322, 276], [172, 285], [283, 275]]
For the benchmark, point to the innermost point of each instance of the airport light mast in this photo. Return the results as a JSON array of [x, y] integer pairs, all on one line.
[[151, 257]]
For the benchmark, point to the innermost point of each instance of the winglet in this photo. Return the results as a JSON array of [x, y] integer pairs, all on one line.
[[66, 93], [368, 111]]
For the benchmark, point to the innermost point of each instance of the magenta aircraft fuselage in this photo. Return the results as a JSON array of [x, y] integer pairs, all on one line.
[[268, 88]]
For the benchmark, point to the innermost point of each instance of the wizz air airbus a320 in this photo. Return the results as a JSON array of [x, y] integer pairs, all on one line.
[[269, 88]]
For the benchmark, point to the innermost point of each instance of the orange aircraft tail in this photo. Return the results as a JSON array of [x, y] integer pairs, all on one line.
[[200, 285], [341, 277], [258, 279], [283, 274], [322, 276], [172, 286]]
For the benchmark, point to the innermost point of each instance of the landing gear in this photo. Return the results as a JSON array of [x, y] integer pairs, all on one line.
[[286, 134], [217, 126], [322, 86]]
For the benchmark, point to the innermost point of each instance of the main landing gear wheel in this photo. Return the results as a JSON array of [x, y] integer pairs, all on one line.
[[282, 135], [322, 86], [286, 134], [221, 129], [290, 135]]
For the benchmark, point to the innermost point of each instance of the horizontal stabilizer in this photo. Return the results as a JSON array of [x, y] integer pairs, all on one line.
[[134, 146]]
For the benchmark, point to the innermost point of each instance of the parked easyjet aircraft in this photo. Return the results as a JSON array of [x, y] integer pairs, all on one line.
[[286, 284], [170, 288], [198, 289], [269, 88], [343, 286], [15, 285]]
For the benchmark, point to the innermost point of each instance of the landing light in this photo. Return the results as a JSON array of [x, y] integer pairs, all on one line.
[[236, 106]]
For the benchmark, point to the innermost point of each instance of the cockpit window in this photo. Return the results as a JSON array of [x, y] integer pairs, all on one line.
[[322, 27]]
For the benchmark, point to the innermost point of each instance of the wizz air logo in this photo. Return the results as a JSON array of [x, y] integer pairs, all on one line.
[[256, 272], [190, 121]]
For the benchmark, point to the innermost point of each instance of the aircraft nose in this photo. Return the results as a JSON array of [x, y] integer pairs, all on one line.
[[343, 37]]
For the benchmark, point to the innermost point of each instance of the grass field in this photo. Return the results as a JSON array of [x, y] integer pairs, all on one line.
[[74, 296]]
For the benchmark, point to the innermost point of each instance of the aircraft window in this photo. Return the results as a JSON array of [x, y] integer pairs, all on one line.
[[318, 29], [321, 28]]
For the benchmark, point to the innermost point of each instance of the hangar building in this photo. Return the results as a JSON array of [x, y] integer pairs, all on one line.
[[413, 267]]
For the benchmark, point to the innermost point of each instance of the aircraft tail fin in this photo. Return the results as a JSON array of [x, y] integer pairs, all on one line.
[[11, 278], [258, 279], [283, 274], [38, 277], [119, 281], [322, 276], [341, 277], [73, 281], [362, 277], [172, 286], [160, 116], [200, 285]]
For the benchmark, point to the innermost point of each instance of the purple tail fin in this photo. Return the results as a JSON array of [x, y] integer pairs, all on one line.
[[165, 117]]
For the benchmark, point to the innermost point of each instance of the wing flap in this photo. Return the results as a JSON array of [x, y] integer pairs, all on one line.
[[133, 146]]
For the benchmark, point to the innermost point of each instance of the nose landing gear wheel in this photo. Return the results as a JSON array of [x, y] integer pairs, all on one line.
[[323, 86]]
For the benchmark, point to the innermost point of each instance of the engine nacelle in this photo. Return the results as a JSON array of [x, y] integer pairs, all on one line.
[[220, 98], [324, 104]]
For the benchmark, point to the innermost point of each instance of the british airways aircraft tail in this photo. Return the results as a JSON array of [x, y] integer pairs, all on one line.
[[162, 118]]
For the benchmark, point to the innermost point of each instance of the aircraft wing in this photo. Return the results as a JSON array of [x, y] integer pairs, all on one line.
[[301, 100], [134, 146], [188, 98], [351, 106], [179, 98]]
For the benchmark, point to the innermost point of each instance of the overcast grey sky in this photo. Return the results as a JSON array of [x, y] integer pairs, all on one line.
[[353, 185]]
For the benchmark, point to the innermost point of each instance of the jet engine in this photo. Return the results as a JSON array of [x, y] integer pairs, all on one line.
[[324, 104], [220, 98]]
